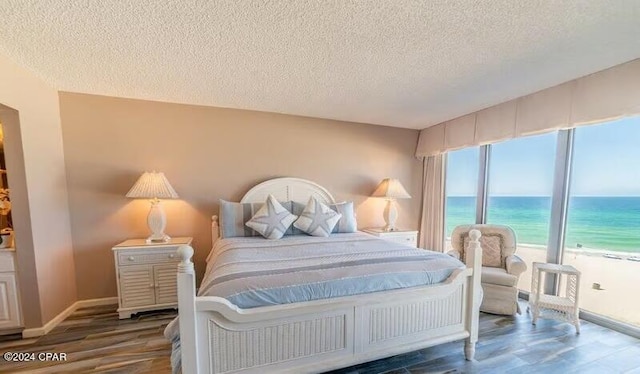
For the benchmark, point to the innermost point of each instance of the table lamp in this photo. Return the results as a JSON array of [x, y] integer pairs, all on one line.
[[391, 189], [154, 186]]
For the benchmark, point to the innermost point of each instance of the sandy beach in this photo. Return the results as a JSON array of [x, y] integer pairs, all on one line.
[[616, 298]]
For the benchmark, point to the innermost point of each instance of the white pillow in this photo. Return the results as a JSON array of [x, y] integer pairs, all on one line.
[[317, 219], [272, 220]]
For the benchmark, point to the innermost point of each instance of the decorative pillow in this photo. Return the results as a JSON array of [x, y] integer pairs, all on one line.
[[347, 222], [297, 209], [272, 220], [317, 219], [491, 249], [234, 216]]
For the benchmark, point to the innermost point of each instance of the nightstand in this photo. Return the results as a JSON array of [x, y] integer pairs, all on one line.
[[147, 275], [407, 237]]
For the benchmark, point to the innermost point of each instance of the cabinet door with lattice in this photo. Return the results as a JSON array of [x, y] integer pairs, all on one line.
[[137, 286], [166, 290]]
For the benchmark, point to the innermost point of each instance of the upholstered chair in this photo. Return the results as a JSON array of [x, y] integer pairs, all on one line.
[[501, 268]]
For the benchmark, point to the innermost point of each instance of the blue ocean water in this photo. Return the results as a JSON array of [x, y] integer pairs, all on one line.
[[603, 223]]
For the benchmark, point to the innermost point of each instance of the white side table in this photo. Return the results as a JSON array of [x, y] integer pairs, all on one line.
[[563, 307], [147, 275], [407, 237]]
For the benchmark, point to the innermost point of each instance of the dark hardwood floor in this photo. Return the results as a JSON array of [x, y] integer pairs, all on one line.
[[96, 341]]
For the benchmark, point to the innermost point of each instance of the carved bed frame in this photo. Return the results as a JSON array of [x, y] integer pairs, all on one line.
[[218, 337]]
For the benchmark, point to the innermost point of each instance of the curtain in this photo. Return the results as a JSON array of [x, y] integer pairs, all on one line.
[[433, 200]]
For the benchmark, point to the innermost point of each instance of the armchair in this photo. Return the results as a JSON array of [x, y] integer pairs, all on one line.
[[501, 268]]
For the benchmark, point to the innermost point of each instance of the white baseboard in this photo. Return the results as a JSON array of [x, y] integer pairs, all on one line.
[[39, 331], [96, 302]]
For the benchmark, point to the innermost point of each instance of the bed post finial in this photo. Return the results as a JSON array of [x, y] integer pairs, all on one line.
[[186, 265], [475, 235], [215, 229]]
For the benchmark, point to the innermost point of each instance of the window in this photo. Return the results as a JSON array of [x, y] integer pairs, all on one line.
[[520, 189], [461, 188], [601, 233], [603, 222]]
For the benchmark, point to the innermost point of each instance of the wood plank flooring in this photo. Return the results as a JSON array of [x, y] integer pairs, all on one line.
[[97, 342]]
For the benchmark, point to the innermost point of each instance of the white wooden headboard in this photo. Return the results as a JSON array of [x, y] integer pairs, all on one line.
[[283, 189], [288, 189]]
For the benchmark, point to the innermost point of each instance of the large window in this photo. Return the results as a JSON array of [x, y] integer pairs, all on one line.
[[603, 224], [461, 188], [520, 188], [594, 174]]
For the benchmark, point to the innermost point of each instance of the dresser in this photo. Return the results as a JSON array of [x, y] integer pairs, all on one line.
[[408, 237], [146, 275]]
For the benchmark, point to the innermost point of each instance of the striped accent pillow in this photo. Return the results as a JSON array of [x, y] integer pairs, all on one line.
[[234, 216]]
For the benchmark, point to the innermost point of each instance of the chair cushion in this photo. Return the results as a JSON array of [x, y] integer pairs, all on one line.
[[497, 276], [491, 249]]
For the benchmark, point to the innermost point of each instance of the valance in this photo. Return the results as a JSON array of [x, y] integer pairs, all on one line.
[[599, 97]]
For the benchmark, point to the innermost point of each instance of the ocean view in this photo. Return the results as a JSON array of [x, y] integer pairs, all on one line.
[[599, 223]]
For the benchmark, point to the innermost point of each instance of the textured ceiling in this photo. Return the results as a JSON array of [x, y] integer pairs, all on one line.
[[395, 62]]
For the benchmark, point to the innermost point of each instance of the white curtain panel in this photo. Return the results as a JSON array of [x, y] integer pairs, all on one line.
[[433, 200], [599, 97]]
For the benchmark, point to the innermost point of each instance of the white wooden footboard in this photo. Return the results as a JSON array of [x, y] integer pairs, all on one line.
[[218, 337]]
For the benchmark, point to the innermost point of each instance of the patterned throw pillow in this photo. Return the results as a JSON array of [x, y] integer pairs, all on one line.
[[234, 216], [317, 219], [491, 249], [347, 222], [272, 220]]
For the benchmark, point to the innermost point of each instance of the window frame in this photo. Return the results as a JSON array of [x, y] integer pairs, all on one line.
[[563, 168], [559, 198]]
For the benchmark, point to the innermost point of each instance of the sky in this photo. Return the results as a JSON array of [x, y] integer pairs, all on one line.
[[606, 162]]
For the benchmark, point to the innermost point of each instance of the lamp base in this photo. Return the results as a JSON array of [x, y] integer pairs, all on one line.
[[152, 239], [157, 221], [390, 215]]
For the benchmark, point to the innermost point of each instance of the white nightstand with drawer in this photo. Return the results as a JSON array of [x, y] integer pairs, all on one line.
[[408, 237], [146, 275]]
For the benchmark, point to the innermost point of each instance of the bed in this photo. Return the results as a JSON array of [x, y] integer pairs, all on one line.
[[311, 332]]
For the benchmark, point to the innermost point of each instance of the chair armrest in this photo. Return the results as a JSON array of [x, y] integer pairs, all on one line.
[[455, 254], [515, 265]]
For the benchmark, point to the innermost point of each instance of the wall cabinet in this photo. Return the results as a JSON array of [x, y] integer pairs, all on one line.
[[10, 314]]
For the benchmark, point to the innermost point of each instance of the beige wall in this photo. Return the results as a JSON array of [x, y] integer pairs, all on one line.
[[35, 161], [207, 154]]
